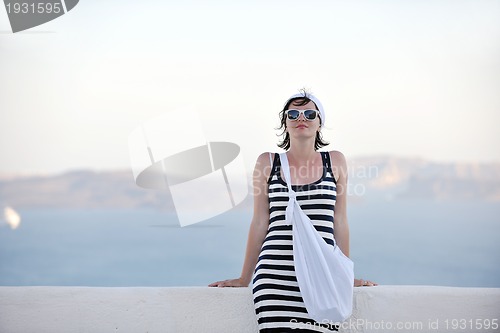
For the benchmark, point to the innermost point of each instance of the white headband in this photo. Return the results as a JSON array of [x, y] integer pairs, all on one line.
[[315, 100]]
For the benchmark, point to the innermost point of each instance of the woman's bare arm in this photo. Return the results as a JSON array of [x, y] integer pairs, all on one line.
[[341, 226], [258, 227]]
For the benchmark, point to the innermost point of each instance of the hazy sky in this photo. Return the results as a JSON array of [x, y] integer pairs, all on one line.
[[405, 78]]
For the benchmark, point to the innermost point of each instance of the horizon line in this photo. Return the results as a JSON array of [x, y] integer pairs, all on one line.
[[4, 174]]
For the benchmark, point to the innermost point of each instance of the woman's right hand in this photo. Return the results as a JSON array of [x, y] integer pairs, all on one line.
[[229, 283]]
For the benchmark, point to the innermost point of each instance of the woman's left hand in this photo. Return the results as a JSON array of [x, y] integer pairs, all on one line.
[[364, 283]]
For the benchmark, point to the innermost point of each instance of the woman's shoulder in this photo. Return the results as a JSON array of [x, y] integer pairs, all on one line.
[[265, 156], [337, 158], [265, 159], [264, 164]]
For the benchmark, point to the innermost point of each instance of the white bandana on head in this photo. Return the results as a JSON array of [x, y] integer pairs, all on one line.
[[315, 100]]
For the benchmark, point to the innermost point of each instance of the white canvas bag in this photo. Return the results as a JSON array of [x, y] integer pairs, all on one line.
[[324, 274]]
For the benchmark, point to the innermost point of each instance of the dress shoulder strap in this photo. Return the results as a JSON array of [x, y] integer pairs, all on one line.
[[328, 165]]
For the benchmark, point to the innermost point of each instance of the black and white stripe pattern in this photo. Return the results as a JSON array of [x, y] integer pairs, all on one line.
[[278, 304]]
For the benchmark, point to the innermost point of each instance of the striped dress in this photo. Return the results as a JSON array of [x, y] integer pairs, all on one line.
[[278, 304]]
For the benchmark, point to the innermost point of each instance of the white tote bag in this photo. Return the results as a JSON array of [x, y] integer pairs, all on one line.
[[324, 274]]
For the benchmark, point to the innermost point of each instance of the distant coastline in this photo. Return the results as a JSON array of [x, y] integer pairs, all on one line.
[[370, 178]]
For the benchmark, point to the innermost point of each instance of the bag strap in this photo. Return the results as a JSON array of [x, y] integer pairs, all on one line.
[[292, 196], [292, 206], [286, 171]]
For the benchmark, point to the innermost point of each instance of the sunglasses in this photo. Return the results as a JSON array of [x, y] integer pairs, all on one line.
[[294, 115]]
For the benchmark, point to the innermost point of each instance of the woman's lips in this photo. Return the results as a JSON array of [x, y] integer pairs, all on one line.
[[301, 126]]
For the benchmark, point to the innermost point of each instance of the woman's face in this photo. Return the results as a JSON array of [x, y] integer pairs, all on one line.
[[303, 127]]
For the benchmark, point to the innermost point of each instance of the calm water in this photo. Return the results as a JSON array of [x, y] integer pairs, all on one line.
[[453, 244]]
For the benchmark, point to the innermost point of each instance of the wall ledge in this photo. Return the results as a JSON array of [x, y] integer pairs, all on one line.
[[219, 310]]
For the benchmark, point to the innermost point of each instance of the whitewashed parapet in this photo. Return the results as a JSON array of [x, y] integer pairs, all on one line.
[[219, 310]]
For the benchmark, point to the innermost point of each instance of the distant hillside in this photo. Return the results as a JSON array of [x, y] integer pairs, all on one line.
[[370, 178], [81, 189], [404, 178]]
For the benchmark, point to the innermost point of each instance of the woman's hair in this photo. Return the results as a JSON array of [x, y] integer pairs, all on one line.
[[299, 101]]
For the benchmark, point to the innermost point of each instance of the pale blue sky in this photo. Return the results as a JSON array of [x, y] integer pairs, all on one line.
[[405, 78]]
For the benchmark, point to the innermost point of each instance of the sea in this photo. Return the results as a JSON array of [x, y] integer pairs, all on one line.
[[412, 242]]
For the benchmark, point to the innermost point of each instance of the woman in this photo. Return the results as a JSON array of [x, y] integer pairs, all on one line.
[[320, 180]]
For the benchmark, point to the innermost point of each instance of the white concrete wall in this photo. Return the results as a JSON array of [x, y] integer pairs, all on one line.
[[219, 310]]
